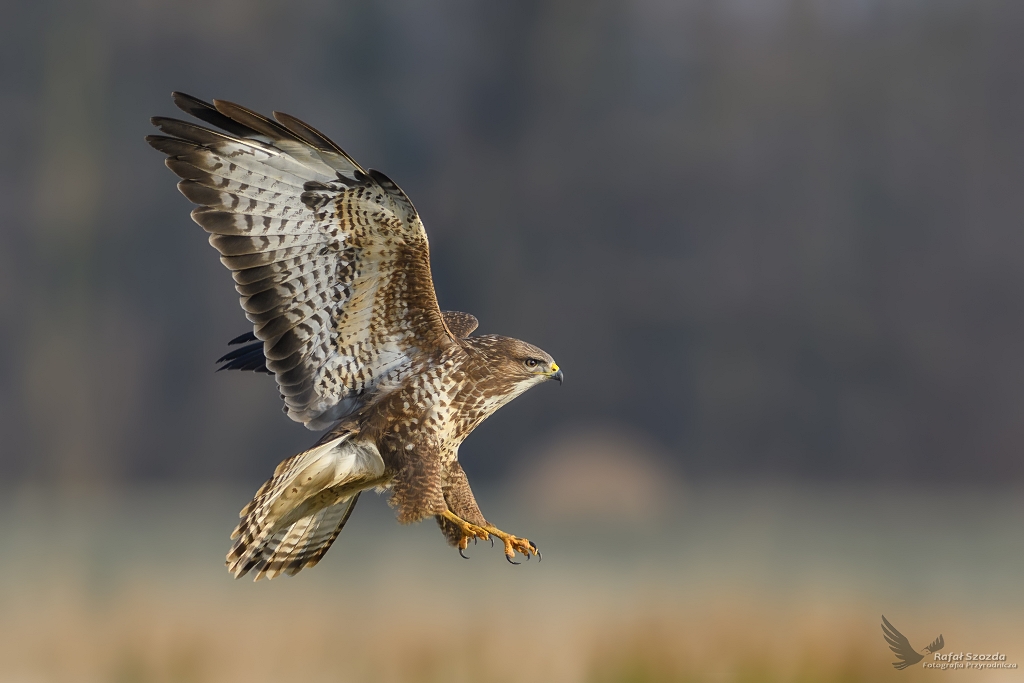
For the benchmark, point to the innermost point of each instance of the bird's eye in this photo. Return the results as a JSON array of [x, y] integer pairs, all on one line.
[[531, 362]]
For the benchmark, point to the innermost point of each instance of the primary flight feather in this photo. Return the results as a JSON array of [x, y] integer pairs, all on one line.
[[333, 268]]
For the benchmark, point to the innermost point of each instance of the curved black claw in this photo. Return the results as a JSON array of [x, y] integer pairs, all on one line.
[[464, 556], [536, 550], [510, 560], [492, 540]]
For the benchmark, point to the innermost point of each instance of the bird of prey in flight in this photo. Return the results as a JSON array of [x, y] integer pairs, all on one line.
[[332, 265], [904, 651]]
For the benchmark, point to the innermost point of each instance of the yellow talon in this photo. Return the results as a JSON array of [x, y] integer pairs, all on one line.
[[467, 530], [513, 544]]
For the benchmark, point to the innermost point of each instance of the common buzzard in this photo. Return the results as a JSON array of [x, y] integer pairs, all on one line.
[[333, 269]]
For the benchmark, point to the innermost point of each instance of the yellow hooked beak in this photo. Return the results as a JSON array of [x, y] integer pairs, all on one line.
[[555, 373]]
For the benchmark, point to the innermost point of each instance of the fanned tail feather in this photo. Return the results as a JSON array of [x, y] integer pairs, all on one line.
[[296, 547], [298, 513]]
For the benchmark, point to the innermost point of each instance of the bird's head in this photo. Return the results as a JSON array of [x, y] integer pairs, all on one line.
[[518, 363]]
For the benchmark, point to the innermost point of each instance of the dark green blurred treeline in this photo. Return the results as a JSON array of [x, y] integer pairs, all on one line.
[[784, 238]]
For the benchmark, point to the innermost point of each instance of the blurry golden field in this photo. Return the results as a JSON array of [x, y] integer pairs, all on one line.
[[715, 583]]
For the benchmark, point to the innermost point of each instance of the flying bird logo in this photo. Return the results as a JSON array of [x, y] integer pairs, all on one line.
[[904, 651]]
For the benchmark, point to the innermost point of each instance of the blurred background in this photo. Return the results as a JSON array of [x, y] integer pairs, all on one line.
[[776, 245]]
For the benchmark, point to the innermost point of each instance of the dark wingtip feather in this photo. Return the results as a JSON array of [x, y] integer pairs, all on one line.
[[188, 103], [172, 147], [242, 338], [204, 111], [312, 136], [258, 123], [245, 358]]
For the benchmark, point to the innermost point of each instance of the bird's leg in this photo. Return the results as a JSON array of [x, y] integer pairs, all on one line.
[[466, 530], [463, 520], [513, 543]]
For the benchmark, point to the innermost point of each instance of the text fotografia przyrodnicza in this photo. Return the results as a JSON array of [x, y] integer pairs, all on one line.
[[968, 660]]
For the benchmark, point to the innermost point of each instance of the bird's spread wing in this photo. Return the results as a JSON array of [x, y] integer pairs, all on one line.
[[937, 644], [899, 644], [331, 261], [250, 356]]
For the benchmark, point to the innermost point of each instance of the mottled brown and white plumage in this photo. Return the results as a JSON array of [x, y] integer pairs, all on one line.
[[333, 268]]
